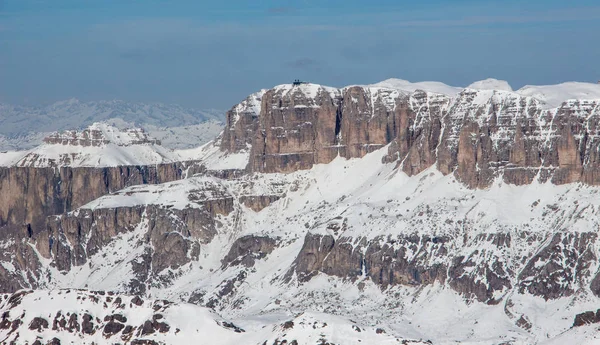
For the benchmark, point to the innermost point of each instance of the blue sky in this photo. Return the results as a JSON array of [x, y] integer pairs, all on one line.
[[211, 54]]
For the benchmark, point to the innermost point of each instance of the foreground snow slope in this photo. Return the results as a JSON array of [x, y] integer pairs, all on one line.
[[98, 317]]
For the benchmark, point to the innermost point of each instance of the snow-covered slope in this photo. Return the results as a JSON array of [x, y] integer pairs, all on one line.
[[185, 137], [552, 95], [71, 316], [430, 86]]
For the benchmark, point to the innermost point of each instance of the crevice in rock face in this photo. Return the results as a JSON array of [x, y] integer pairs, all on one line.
[[338, 123], [390, 131], [583, 145]]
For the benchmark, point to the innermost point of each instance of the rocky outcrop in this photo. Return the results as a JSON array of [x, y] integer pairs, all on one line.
[[299, 126], [258, 202], [385, 264], [368, 120], [586, 318], [21, 266], [242, 124], [164, 237], [481, 272], [560, 267], [414, 144], [247, 249]]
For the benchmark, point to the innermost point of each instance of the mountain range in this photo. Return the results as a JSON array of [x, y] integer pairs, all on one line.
[[24, 127], [398, 212]]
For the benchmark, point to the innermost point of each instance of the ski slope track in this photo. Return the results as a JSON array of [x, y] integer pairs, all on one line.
[[391, 213]]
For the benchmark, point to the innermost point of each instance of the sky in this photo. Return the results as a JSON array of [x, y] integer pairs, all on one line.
[[212, 54]]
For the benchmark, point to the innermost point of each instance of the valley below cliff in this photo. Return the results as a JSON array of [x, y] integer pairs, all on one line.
[[378, 214]]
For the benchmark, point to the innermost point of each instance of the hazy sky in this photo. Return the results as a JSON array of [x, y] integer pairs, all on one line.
[[211, 54]]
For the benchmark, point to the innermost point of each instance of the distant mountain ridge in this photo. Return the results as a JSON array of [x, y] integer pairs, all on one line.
[[24, 127]]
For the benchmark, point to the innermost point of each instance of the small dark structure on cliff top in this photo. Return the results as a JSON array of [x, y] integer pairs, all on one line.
[[298, 82]]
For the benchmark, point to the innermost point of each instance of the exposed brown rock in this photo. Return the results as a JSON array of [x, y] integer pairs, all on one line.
[[111, 328], [586, 318], [38, 324], [294, 131], [258, 202], [246, 250], [87, 325], [384, 264], [385, 261], [174, 235], [137, 301], [241, 124]]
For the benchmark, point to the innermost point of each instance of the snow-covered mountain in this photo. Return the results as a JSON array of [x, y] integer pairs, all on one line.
[[386, 213], [555, 95], [551, 96], [24, 127], [405, 85], [491, 84], [98, 145]]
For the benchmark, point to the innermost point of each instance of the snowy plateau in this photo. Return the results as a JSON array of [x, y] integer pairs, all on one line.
[[391, 213]]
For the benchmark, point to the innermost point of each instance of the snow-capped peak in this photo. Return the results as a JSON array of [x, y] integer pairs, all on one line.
[[491, 84]]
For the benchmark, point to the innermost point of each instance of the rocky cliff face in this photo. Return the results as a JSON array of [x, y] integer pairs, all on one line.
[[165, 238], [478, 271], [242, 122], [479, 135], [296, 129], [30, 194], [163, 226]]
